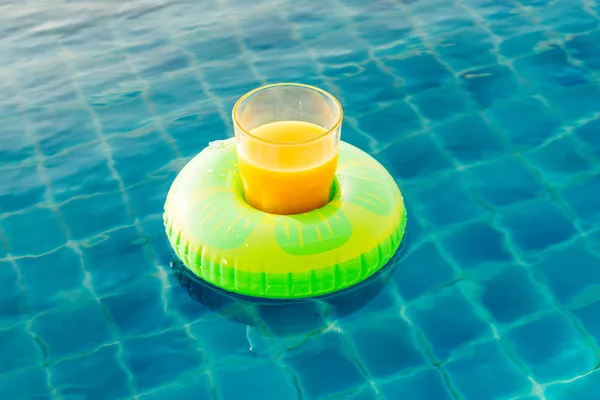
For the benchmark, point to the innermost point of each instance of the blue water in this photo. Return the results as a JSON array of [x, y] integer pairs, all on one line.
[[486, 111]]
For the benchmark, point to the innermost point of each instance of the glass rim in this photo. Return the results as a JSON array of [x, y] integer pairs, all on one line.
[[273, 85]]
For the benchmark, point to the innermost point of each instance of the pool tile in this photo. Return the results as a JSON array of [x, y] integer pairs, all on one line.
[[483, 371], [429, 12], [568, 16], [135, 157], [589, 134], [71, 331], [506, 181], [373, 299], [180, 303], [391, 123], [58, 130], [156, 58], [53, 280], [509, 22], [426, 384], [466, 49], [415, 231], [416, 158], [457, 197], [154, 237], [338, 72], [98, 375], [92, 38], [550, 69], [25, 236], [537, 224], [292, 68], [338, 47], [452, 310], [173, 354], [267, 32], [552, 348], [571, 272], [12, 297], [386, 346], [101, 73], [525, 122], [351, 135], [584, 388], [420, 72], [149, 197], [588, 315], [441, 103], [312, 19], [118, 259], [185, 130], [122, 113], [422, 270], [470, 139], [27, 384], [411, 44], [575, 102], [361, 92], [385, 28], [145, 298], [511, 294], [580, 197], [221, 337], [50, 84], [291, 319], [521, 44], [170, 94], [15, 146], [491, 84], [89, 216], [494, 11], [475, 244], [261, 379], [234, 79], [19, 349], [20, 188], [206, 48], [581, 47], [82, 170], [560, 161], [197, 386], [329, 360]]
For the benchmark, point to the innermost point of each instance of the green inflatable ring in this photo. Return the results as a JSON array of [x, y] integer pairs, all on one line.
[[231, 245]]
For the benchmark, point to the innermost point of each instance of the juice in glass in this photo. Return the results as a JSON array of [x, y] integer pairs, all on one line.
[[287, 143]]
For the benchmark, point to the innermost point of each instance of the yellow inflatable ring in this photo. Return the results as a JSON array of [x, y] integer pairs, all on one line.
[[231, 245]]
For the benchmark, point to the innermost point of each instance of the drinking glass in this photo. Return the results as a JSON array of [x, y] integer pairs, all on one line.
[[287, 139]]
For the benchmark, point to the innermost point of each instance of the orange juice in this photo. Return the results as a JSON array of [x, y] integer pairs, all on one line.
[[290, 169]]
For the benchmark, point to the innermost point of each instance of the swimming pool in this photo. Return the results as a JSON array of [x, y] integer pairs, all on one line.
[[486, 111]]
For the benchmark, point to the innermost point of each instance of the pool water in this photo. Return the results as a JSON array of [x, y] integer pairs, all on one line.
[[487, 112]]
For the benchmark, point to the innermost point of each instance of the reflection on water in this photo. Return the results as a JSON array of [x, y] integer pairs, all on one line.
[[285, 318]]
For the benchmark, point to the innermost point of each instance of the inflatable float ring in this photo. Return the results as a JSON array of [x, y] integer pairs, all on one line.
[[240, 249]]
